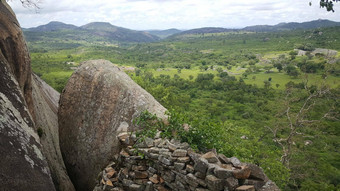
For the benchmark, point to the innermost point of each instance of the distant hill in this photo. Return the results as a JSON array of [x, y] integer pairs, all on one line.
[[52, 26], [119, 33], [100, 26], [259, 28], [203, 30], [92, 32], [293, 25], [164, 33], [103, 32], [207, 30]]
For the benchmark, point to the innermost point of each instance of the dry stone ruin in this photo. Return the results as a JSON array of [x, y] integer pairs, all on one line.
[[162, 164]]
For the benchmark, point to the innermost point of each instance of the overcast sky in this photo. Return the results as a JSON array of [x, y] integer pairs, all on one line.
[[181, 14]]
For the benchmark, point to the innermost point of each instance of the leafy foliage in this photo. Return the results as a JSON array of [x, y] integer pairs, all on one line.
[[149, 124], [328, 4], [228, 87], [40, 132]]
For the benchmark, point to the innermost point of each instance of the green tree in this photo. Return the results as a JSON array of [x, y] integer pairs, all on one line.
[[278, 66], [277, 85], [328, 4], [267, 84], [204, 77], [268, 68], [293, 54], [219, 70], [291, 70], [223, 74], [137, 72]]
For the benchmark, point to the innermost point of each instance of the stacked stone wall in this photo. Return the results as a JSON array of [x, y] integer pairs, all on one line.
[[162, 164]]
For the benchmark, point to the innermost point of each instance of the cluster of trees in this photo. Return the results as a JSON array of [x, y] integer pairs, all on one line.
[[305, 63], [222, 108], [283, 128]]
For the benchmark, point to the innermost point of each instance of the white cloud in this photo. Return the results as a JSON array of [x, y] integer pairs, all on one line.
[[183, 14]]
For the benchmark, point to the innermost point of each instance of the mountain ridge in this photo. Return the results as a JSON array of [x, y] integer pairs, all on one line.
[[106, 32], [164, 33], [263, 28], [292, 25], [102, 31], [51, 26]]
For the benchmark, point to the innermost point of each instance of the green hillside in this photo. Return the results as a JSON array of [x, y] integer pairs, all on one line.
[[293, 25], [164, 33], [273, 95], [93, 33]]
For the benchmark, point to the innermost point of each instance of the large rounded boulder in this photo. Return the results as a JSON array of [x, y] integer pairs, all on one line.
[[98, 102]]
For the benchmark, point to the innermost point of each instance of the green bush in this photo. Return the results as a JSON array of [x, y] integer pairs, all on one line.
[[205, 134], [40, 132]]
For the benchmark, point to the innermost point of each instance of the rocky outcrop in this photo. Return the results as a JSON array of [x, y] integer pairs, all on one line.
[[46, 100], [98, 102], [14, 49], [147, 164], [22, 164]]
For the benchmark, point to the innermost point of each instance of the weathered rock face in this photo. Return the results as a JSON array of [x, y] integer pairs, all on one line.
[[14, 49], [22, 164], [98, 102], [46, 100]]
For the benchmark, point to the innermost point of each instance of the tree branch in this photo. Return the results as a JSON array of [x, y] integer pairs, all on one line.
[[30, 3]]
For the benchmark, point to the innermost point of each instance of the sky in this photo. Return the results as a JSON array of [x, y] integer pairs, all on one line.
[[180, 14]]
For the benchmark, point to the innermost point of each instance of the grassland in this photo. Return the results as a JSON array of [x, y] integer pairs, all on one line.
[[229, 51]]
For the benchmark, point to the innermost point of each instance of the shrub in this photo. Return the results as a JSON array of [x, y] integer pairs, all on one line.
[[40, 132]]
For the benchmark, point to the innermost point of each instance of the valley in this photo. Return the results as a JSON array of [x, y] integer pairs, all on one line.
[[272, 91]]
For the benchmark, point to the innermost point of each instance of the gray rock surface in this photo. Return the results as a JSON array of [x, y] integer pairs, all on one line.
[[15, 51], [22, 164], [98, 102], [45, 100], [270, 186], [257, 172]]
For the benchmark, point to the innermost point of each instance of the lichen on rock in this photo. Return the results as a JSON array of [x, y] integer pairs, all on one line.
[[19, 144]]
